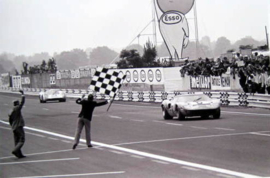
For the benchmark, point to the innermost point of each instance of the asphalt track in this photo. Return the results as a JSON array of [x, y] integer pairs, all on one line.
[[132, 140]]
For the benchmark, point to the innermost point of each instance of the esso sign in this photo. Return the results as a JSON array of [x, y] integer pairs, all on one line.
[[171, 18]]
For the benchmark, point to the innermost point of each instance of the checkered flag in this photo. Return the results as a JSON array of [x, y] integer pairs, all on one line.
[[106, 81]]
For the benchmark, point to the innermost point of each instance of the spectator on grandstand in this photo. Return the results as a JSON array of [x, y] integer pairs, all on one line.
[[251, 70], [243, 79], [267, 83], [233, 67], [261, 82], [251, 84]]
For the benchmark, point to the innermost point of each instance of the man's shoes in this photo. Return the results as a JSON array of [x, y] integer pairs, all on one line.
[[89, 146], [21, 156], [16, 154], [74, 146]]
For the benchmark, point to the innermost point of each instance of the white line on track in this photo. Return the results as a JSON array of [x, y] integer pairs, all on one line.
[[65, 141], [256, 133], [75, 175], [174, 124], [136, 156], [74, 112], [98, 148], [160, 162], [223, 175], [115, 117], [52, 138], [154, 156], [137, 120], [6, 128], [190, 168], [40, 161], [46, 109], [38, 135], [183, 138], [196, 127], [41, 153], [246, 113], [219, 128], [117, 152], [159, 121]]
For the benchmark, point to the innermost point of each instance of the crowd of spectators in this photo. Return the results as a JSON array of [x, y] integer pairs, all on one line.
[[253, 71]]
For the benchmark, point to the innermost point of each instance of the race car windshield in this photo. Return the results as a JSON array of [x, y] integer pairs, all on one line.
[[52, 92], [192, 98]]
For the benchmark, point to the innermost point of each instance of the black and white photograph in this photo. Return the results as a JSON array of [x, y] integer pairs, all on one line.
[[134, 89]]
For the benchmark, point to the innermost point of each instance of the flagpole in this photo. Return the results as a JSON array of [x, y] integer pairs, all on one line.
[[115, 93], [111, 102]]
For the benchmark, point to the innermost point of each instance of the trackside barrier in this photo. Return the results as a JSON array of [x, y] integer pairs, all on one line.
[[226, 98]]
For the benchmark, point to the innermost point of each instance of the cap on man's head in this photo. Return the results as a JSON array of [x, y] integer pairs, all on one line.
[[16, 102], [90, 97]]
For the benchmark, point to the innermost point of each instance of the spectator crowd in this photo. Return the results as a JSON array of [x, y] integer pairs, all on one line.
[[253, 71]]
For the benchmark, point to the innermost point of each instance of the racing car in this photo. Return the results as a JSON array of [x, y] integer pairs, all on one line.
[[182, 106], [52, 94]]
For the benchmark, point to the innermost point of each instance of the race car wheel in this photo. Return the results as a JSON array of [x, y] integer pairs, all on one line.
[[62, 100], [166, 115], [40, 99], [206, 116], [217, 114], [180, 116]]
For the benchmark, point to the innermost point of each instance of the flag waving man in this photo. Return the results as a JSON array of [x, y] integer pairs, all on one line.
[[106, 82]]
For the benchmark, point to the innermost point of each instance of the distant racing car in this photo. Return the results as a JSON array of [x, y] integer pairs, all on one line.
[[191, 105], [52, 94]]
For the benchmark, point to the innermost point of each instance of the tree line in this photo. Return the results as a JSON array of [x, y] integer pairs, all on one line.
[[137, 55]]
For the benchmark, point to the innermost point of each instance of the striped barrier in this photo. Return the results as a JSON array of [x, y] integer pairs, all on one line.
[[226, 98]]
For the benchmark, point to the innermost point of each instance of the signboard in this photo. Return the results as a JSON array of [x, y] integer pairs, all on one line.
[[25, 81], [16, 81], [173, 25], [52, 79], [200, 82], [221, 82], [143, 75], [5, 80], [73, 74]]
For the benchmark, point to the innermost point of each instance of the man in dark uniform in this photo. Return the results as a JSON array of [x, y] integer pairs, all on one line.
[[85, 118], [16, 122]]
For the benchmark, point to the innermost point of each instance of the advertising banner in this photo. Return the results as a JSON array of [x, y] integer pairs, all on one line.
[[173, 25], [52, 79], [26, 81], [73, 74], [221, 82], [200, 82], [143, 75], [16, 81], [5, 80], [85, 73]]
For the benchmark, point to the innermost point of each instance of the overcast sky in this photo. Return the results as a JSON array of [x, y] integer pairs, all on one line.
[[34, 26]]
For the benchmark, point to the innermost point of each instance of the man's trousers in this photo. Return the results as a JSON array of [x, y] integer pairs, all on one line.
[[19, 139], [87, 124]]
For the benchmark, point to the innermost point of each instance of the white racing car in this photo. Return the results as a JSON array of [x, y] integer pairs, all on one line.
[[191, 105], [51, 95]]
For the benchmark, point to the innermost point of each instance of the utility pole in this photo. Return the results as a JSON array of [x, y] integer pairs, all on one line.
[[196, 30], [154, 24], [267, 38]]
